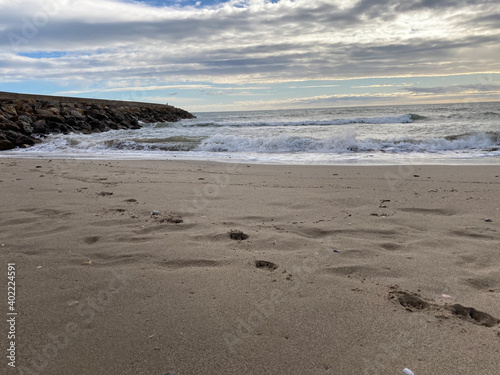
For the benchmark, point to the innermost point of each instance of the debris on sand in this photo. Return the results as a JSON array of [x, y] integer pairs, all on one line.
[[238, 235], [105, 194], [264, 264]]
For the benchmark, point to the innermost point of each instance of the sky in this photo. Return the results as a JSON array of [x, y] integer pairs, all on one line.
[[225, 55]]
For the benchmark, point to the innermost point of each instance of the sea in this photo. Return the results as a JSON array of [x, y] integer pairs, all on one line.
[[463, 133]]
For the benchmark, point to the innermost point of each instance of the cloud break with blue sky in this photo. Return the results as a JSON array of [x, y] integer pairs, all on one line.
[[253, 54]]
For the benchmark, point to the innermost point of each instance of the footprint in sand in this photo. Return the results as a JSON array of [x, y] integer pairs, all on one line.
[[91, 239], [413, 301], [264, 264], [105, 194]]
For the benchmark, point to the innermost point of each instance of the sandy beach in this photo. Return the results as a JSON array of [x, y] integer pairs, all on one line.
[[128, 267]]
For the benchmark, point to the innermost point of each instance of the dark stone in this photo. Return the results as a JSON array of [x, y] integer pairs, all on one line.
[[101, 116], [27, 118], [40, 127], [6, 144], [43, 113], [9, 109], [51, 120], [26, 128], [76, 113], [23, 140], [22, 116], [84, 127], [8, 125], [71, 121]]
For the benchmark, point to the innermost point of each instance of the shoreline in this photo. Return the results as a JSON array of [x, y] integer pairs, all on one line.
[[484, 161], [346, 269]]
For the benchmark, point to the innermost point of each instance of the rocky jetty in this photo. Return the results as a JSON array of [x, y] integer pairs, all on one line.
[[25, 119]]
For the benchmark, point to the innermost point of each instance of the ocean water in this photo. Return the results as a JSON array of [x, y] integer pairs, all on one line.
[[466, 133]]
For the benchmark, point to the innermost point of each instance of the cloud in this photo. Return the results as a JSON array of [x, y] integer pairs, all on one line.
[[372, 86], [319, 100], [136, 88], [456, 89], [242, 42], [313, 86]]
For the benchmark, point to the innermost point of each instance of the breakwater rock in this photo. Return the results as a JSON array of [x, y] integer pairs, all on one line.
[[25, 119]]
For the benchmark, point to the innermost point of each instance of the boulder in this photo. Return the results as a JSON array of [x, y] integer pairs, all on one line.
[[3, 119], [54, 110], [26, 127], [40, 127], [68, 105], [6, 144], [18, 105], [22, 140], [54, 120], [77, 113], [9, 109], [21, 118], [9, 125], [27, 118], [27, 108], [43, 113]]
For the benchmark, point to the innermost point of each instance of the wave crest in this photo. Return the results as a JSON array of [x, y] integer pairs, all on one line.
[[401, 119], [288, 144]]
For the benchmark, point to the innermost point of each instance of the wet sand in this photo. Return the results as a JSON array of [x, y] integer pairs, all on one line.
[[345, 270]]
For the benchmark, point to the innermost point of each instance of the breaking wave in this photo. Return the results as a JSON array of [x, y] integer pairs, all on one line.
[[384, 134], [287, 144], [401, 119], [489, 141]]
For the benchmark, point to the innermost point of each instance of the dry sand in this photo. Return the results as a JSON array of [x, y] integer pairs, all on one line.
[[376, 267]]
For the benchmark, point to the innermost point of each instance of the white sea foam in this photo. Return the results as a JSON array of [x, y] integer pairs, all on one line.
[[285, 144], [324, 136]]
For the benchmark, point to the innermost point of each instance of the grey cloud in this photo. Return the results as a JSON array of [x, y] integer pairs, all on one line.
[[74, 34], [323, 14], [263, 61], [377, 6], [386, 10], [262, 45], [335, 60], [490, 21], [346, 99], [455, 89], [419, 48]]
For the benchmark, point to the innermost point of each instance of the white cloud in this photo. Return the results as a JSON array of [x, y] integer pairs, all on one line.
[[116, 45]]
